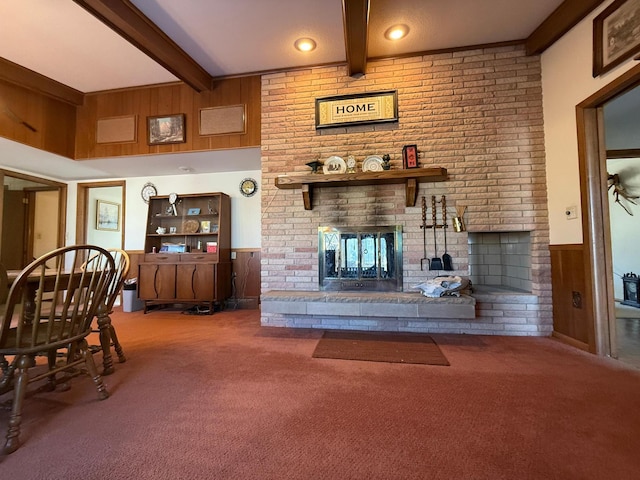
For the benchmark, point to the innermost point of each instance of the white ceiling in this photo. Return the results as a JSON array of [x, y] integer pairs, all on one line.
[[59, 39]]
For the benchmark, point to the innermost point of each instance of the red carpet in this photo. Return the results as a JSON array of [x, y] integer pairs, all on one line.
[[219, 397]]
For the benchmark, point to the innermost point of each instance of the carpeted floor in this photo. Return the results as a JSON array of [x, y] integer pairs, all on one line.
[[380, 347], [219, 397]]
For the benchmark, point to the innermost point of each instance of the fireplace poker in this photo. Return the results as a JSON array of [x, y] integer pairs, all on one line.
[[436, 262], [424, 227], [446, 258]]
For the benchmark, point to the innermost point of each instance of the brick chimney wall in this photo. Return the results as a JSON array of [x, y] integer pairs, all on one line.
[[478, 113]]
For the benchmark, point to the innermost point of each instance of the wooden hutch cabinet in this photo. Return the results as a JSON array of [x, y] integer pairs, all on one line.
[[187, 250]]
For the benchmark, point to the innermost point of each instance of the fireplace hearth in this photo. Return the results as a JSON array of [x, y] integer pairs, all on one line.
[[360, 258]]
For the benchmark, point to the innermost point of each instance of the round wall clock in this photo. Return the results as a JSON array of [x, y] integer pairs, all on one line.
[[248, 187], [148, 190]]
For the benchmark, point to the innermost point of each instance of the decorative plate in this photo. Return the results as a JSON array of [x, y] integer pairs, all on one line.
[[372, 163], [334, 165], [190, 226]]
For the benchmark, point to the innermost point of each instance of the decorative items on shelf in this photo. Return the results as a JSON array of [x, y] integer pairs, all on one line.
[[314, 166], [410, 156], [351, 164], [335, 164]]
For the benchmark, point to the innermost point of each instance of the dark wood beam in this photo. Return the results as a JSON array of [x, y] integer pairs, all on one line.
[[18, 75], [355, 15], [563, 19], [125, 19]]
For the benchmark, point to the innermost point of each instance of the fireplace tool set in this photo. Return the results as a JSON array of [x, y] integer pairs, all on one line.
[[435, 263]]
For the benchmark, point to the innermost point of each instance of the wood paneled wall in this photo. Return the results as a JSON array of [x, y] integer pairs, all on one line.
[[572, 320], [246, 271], [53, 120], [166, 100]]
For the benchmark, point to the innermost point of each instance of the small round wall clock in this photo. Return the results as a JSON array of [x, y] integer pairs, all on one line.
[[248, 187], [148, 190]]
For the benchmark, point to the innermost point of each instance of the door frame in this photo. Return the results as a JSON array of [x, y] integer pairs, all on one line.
[[83, 207], [47, 185], [596, 231]]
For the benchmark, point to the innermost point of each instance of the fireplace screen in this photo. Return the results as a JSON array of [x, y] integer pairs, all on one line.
[[360, 258]]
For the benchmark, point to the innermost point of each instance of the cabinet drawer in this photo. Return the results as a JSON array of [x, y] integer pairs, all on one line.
[[161, 257], [197, 257]]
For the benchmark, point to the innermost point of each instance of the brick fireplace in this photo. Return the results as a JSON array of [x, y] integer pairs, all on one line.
[[477, 113]]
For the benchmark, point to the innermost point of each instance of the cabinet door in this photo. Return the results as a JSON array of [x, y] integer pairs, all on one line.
[[157, 281], [195, 281]]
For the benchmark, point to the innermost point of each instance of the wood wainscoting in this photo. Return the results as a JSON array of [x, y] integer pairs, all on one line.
[[246, 278], [245, 266], [572, 322]]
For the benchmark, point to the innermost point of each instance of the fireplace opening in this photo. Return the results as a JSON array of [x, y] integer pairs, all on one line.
[[501, 259], [360, 258]]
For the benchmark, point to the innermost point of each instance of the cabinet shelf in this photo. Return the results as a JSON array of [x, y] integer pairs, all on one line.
[[410, 177]]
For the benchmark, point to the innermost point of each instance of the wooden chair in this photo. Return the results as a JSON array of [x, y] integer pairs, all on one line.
[[48, 310], [106, 330]]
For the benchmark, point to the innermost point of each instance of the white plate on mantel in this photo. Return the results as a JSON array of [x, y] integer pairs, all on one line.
[[334, 165], [372, 163]]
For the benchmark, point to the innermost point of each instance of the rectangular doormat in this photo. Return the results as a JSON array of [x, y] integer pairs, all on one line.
[[380, 347]]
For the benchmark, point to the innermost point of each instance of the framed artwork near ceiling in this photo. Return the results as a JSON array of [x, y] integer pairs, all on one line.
[[616, 35], [166, 129], [357, 109]]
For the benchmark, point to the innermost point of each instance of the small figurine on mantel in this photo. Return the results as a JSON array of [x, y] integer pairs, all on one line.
[[314, 165], [386, 161], [351, 164]]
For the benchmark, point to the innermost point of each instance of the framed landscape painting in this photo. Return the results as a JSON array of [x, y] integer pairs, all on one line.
[[107, 216]]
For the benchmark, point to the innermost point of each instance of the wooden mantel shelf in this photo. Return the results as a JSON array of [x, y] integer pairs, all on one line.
[[410, 177]]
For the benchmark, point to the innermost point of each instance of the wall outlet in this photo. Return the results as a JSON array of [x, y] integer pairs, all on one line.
[[571, 212], [233, 255]]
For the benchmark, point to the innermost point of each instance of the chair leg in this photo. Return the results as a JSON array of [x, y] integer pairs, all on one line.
[[93, 371], [52, 357], [20, 389], [4, 365], [116, 344], [104, 324], [7, 377]]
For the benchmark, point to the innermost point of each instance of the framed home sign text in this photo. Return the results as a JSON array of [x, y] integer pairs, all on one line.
[[357, 109]]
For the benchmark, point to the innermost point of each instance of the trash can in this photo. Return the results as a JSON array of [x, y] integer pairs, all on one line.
[[130, 300]]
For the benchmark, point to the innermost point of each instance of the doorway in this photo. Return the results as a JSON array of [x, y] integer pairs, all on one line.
[[93, 198], [622, 140], [596, 220], [32, 218]]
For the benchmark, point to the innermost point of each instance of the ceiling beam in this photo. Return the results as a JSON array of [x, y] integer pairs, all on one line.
[[125, 19], [355, 15], [18, 75], [563, 19]]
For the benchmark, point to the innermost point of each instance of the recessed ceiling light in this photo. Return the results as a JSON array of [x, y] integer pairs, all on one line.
[[185, 169], [305, 44], [396, 32]]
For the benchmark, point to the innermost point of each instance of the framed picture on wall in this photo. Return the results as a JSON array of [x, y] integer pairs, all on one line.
[[166, 129], [107, 216], [616, 35]]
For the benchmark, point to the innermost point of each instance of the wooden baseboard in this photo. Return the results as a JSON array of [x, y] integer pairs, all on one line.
[[570, 341]]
